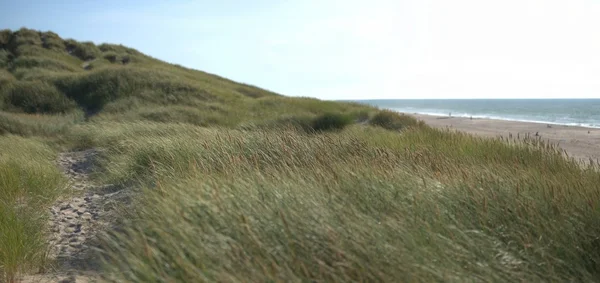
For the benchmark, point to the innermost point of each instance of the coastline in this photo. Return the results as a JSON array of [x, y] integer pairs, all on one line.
[[579, 142]]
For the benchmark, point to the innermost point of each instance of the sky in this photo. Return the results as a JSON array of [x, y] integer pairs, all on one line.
[[351, 49]]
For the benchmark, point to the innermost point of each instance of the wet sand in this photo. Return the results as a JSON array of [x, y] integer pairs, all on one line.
[[579, 142]]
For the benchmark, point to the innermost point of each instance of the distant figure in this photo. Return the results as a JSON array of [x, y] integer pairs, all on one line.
[[549, 126], [471, 117], [537, 134]]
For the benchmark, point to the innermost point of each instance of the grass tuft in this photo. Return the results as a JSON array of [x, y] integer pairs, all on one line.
[[36, 97], [392, 120], [83, 50], [111, 56], [52, 41], [5, 36], [31, 125], [330, 122]]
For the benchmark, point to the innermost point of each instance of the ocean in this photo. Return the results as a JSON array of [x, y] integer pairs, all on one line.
[[572, 112]]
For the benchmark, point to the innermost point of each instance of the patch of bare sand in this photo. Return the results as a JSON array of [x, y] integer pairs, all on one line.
[[579, 142], [77, 219]]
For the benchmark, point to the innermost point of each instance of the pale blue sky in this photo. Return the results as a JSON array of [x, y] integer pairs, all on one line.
[[352, 49]]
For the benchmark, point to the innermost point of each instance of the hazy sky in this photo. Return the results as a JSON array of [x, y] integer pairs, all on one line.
[[352, 49]]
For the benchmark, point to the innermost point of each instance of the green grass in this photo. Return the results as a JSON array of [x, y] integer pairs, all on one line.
[[331, 121], [23, 37], [36, 97], [38, 125], [41, 62], [239, 184], [29, 183], [83, 50], [230, 205], [52, 41], [5, 58], [5, 36], [393, 121]]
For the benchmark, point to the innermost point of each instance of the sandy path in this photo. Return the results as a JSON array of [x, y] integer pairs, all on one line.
[[76, 220], [581, 143]]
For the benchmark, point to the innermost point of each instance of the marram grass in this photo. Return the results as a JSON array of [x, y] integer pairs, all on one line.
[[29, 183], [364, 204]]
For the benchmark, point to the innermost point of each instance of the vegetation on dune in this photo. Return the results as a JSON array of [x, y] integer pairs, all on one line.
[[331, 121], [38, 125], [5, 57], [393, 121], [5, 36], [83, 50], [29, 182], [52, 41], [36, 97], [359, 204], [240, 184]]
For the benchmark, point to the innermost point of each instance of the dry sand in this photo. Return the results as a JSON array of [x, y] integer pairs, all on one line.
[[77, 219], [581, 143]]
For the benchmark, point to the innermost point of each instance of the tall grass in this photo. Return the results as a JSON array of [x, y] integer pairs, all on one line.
[[363, 204], [5, 58], [41, 62], [5, 36], [35, 97], [82, 50], [31, 125], [331, 121], [52, 41], [29, 182], [24, 37], [393, 121], [96, 89], [117, 48]]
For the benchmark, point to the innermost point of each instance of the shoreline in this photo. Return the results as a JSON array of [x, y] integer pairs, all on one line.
[[503, 119], [582, 143]]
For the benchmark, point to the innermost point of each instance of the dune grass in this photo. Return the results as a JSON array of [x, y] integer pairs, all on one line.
[[362, 204], [392, 121], [29, 183], [38, 125], [239, 184]]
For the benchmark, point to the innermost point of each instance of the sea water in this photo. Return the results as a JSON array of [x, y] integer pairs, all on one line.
[[573, 112]]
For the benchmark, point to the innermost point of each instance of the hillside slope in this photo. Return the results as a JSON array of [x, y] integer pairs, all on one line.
[[43, 73], [232, 183]]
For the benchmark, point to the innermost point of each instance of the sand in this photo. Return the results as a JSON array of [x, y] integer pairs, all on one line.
[[579, 142], [77, 219]]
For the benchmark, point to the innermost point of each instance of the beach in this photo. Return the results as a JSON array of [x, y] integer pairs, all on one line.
[[579, 142]]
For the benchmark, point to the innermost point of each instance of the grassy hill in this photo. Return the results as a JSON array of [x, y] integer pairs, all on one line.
[[238, 184], [42, 73]]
